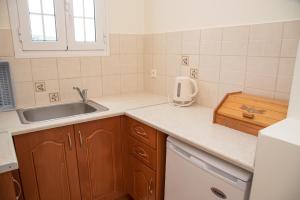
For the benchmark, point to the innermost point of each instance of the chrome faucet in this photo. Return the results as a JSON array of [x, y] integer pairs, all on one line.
[[82, 93]]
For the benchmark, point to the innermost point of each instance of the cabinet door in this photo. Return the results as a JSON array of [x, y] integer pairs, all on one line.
[[48, 164], [7, 189], [99, 154], [142, 183]]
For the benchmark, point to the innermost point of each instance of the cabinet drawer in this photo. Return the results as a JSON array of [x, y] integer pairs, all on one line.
[[143, 153], [142, 132]]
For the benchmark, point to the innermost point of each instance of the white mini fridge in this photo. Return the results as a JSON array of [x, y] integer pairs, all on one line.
[[192, 174]]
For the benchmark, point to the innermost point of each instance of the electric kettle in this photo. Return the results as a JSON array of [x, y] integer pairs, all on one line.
[[185, 91]]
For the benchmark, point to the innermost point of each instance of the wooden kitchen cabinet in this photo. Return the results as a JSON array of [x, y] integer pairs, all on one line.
[[48, 164], [7, 188], [99, 152], [146, 154], [142, 181]]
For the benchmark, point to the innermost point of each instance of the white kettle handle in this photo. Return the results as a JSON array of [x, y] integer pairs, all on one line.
[[195, 87]]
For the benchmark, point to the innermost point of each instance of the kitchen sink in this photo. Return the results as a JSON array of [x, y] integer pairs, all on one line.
[[38, 114]]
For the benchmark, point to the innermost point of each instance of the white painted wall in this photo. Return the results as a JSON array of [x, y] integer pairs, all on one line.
[[294, 106], [126, 16], [178, 15]]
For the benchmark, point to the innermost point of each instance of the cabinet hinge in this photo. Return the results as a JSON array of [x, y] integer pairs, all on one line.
[[104, 38]]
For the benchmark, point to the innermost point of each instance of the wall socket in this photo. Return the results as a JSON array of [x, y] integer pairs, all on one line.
[[194, 73], [153, 73]]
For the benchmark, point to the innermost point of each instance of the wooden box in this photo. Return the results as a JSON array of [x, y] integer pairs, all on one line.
[[249, 113]]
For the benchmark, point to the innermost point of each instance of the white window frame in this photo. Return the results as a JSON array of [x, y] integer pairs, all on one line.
[[59, 49]]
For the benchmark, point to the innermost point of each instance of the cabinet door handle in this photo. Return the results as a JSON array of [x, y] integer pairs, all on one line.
[[70, 141], [80, 138], [140, 131], [141, 152], [150, 186], [19, 188]]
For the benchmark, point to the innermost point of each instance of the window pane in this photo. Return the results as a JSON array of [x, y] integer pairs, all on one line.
[[36, 27], [50, 30], [48, 7], [78, 8], [90, 30], [79, 29], [89, 8], [34, 6]]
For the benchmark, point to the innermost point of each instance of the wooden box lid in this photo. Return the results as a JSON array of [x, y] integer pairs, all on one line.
[[250, 110]]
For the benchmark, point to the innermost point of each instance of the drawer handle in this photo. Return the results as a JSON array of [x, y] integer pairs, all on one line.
[[140, 131], [19, 188], [141, 152], [80, 138], [218, 193], [248, 115], [70, 141], [150, 186]]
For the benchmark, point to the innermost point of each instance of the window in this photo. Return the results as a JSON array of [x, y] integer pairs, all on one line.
[[58, 28]]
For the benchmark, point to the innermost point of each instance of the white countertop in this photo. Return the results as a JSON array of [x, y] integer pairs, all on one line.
[[8, 159], [9, 121], [192, 125]]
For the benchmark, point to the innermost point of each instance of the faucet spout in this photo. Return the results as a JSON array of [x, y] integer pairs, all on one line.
[[82, 93]]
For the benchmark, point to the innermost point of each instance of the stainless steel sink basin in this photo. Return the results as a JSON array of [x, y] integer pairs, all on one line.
[[31, 115]]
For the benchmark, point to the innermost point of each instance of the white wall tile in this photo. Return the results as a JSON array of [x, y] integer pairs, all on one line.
[[282, 96], [111, 65], [211, 34], [128, 44], [159, 63], [286, 66], [20, 69], [44, 69], [114, 43], [94, 86], [262, 82], [208, 94], [173, 63], [259, 92], [268, 31], [291, 30], [263, 65], [284, 84], [210, 47], [264, 47], [235, 33], [191, 42], [232, 77], [68, 67], [90, 66], [129, 83], [128, 64], [67, 93], [111, 85], [289, 47], [173, 43], [233, 63], [24, 94], [148, 44], [234, 47], [159, 43]]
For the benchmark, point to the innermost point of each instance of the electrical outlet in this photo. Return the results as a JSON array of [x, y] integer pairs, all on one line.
[[153, 73], [40, 86], [193, 72], [53, 97], [185, 60]]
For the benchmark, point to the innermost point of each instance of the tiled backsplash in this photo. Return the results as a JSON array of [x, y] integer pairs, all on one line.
[[122, 72], [257, 59]]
